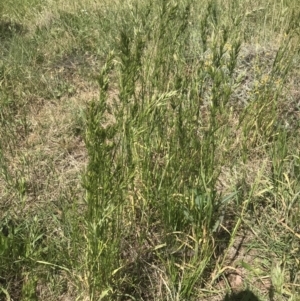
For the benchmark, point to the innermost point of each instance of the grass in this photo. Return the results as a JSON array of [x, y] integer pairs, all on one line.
[[149, 150]]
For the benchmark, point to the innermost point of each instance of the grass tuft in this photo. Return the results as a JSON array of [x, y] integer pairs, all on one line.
[[149, 151]]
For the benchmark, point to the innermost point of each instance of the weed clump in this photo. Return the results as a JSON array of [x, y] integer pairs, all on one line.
[[148, 151]]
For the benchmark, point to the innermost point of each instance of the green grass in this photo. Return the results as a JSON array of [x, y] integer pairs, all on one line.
[[149, 150]]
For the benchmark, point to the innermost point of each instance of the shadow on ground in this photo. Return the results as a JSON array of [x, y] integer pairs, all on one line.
[[8, 29], [241, 296]]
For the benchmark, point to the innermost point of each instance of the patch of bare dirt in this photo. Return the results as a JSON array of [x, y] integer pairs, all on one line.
[[242, 269]]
